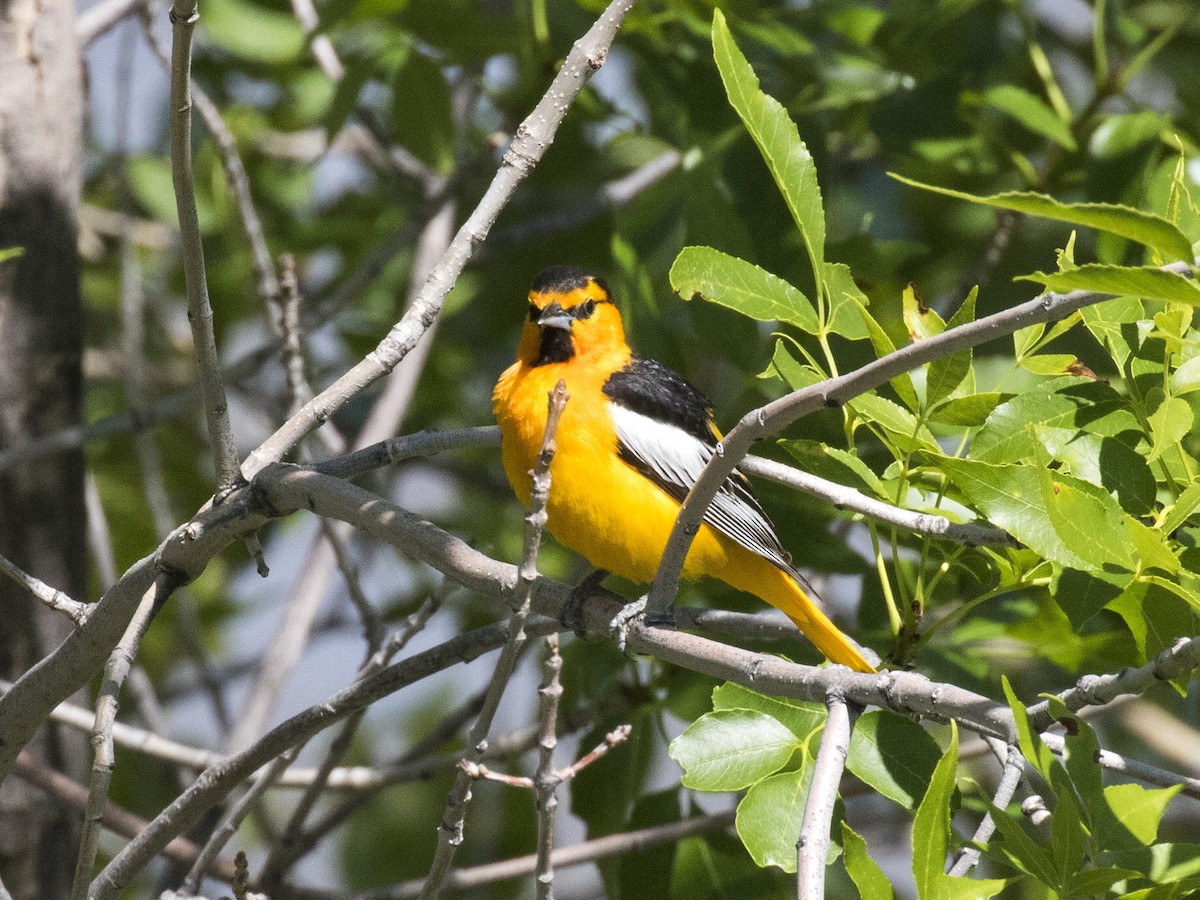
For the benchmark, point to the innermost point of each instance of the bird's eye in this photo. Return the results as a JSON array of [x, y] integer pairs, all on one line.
[[534, 313], [585, 309]]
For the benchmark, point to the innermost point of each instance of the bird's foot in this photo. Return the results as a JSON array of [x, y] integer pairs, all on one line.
[[620, 624], [571, 614]]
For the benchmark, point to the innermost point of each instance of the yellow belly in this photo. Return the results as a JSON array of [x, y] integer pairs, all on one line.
[[599, 505]]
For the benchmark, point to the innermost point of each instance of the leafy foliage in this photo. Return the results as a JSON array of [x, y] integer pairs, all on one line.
[[771, 131]]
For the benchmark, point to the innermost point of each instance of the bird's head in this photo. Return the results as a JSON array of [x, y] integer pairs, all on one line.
[[571, 313]]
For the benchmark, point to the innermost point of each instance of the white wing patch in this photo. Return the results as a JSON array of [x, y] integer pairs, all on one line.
[[674, 459]]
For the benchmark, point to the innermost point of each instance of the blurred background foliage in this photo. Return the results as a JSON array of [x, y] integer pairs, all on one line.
[[1082, 102]]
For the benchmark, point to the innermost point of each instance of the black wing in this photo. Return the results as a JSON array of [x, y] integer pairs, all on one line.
[[665, 431]]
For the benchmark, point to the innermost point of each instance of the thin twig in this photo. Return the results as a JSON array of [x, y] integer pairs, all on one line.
[[813, 844], [836, 392], [842, 497], [54, 598], [1010, 777], [216, 782], [184, 16], [545, 783], [450, 834], [1134, 768], [532, 138], [380, 652], [564, 857], [1181, 657], [266, 277], [104, 754], [233, 819]]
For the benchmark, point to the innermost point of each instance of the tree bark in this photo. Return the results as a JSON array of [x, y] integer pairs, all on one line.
[[41, 505]]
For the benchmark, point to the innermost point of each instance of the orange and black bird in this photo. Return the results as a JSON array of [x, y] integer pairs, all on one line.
[[632, 441]]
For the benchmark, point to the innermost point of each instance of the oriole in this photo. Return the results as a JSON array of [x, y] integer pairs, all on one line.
[[633, 438]]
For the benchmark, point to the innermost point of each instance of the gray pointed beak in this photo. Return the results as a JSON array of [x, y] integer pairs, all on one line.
[[562, 320]]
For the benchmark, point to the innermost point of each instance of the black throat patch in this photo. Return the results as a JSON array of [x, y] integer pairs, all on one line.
[[556, 346]]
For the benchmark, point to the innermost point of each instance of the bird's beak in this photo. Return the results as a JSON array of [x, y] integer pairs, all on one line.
[[554, 316]]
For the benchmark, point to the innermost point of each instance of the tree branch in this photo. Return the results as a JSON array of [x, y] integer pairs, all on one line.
[[450, 834], [836, 392], [184, 16], [54, 598], [533, 136], [813, 845]]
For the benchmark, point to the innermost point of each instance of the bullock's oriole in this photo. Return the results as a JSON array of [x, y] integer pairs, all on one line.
[[632, 440]]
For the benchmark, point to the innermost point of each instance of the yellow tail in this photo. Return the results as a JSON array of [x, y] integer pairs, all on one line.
[[755, 575]]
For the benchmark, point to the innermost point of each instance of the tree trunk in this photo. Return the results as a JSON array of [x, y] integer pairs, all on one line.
[[41, 505]]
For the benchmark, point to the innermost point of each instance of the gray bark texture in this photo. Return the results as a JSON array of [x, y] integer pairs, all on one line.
[[41, 505]]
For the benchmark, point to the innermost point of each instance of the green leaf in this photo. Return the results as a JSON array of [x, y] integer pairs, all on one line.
[[1123, 221], [1151, 546], [1061, 518], [895, 420], [894, 755], [1023, 850], [921, 321], [946, 373], [1183, 508], [778, 141], [1081, 595], [1030, 742], [8, 253], [1119, 134], [802, 718], [1146, 282], [835, 464], [770, 815], [1081, 404], [253, 32], [902, 383], [741, 286], [1169, 424], [785, 365], [1112, 323], [731, 749], [1068, 841], [1140, 809], [1049, 364], [931, 825], [967, 412], [1096, 881], [1104, 461], [1032, 112], [872, 884], [847, 304]]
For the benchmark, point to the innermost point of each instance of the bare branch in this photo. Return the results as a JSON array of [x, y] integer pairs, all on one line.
[[842, 497], [54, 598], [215, 783], [233, 819], [1133, 768], [184, 16], [1010, 777], [1181, 657], [545, 783], [104, 758], [450, 834], [813, 844], [532, 138], [564, 857], [835, 392]]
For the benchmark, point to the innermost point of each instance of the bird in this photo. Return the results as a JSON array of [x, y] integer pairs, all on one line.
[[633, 438]]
